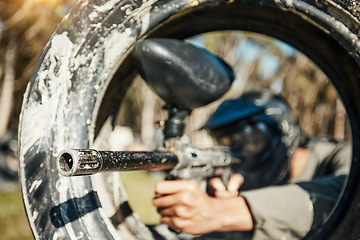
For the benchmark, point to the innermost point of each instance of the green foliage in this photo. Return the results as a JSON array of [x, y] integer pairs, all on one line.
[[14, 224], [140, 188]]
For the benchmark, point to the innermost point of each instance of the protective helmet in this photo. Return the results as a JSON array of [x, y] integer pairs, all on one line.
[[262, 135]]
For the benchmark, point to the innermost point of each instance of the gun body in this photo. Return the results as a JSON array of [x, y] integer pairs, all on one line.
[[184, 87]]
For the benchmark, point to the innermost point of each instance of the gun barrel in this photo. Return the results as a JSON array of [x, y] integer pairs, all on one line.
[[74, 162]]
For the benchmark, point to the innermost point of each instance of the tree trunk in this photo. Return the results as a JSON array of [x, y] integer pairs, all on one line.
[[7, 90]]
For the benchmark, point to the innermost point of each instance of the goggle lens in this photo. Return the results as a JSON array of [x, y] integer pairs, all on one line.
[[251, 140]]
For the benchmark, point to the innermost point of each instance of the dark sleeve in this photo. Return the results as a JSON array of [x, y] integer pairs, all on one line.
[[327, 185], [324, 193]]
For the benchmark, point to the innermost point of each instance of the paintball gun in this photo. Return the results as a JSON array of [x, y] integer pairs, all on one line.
[[185, 77]]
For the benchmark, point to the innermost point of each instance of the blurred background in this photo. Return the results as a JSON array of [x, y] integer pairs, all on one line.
[[25, 27], [259, 61]]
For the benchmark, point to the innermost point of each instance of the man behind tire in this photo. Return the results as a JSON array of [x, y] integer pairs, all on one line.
[[283, 187]]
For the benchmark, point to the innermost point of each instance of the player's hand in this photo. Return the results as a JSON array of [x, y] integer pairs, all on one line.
[[185, 207], [232, 188]]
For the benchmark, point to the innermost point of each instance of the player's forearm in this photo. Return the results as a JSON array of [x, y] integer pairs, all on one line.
[[233, 214]]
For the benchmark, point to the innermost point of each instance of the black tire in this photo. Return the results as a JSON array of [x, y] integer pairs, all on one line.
[[85, 69]]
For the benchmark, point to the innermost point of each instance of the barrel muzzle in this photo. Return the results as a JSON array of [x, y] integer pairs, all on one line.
[[74, 162]]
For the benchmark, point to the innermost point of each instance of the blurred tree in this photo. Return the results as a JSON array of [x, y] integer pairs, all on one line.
[[263, 62], [259, 62], [25, 27]]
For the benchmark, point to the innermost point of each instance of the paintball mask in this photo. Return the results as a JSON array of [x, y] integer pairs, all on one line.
[[261, 134]]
